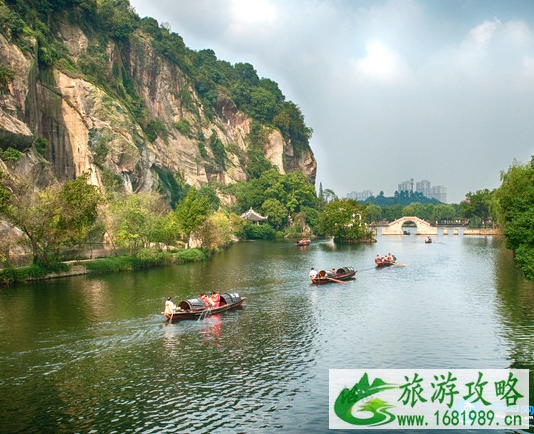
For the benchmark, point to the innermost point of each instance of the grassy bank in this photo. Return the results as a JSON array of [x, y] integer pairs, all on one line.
[[141, 260]]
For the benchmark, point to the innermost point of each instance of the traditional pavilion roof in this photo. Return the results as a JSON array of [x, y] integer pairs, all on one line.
[[253, 216]]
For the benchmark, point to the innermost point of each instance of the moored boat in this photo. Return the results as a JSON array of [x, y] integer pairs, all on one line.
[[343, 273], [195, 308]]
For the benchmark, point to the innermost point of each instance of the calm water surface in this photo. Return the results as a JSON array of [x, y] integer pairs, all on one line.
[[94, 354]]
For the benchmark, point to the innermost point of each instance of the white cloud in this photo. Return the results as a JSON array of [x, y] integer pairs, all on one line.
[[252, 12], [381, 64], [482, 33]]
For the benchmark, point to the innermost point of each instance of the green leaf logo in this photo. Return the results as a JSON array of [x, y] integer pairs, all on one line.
[[347, 399]]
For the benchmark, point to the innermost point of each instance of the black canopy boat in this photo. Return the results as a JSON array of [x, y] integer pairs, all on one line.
[[343, 273], [195, 307]]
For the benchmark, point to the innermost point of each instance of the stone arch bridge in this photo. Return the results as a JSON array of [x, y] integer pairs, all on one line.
[[423, 228]]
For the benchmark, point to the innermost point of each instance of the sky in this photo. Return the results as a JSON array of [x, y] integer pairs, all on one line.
[[441, 90]]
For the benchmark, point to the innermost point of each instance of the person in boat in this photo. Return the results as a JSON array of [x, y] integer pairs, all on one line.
[[215, 299], [205, 299], [389, 257], [333, 271], [378, 259], [313, 273], [170, 307]]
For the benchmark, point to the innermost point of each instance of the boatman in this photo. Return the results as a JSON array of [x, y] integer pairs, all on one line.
[[170, 307], [215, 299], [313, 273]]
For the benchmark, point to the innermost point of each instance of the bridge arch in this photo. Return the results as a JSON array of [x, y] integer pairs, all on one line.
[[423, 228]]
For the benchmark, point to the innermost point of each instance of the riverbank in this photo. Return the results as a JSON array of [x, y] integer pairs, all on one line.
[[141, 260]]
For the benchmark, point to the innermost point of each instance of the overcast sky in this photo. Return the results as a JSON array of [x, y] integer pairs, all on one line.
[[441, 90]]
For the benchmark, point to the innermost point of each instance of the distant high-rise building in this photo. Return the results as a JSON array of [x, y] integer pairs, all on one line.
[[359, 195], [439, 192], [406, 185], [424, 187]]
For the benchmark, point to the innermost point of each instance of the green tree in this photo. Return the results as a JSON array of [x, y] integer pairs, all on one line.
[[263, 104], [135, 220], [219, 230], [276, 212], [373, 212], [321, 195], [392, 212], [442, 211], [192, 212], [344, 220], [477, 204], [59, 216], [210, 193], [294, 192], [513, 203]]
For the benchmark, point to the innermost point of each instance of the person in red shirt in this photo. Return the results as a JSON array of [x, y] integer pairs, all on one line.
[[205, 299], [215, 299]]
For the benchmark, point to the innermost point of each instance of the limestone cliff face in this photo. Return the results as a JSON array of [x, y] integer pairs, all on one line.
[[88, 129]]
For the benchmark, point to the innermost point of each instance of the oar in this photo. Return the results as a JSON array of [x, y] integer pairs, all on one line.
[[400, 265], [335, 280], [204, 313]]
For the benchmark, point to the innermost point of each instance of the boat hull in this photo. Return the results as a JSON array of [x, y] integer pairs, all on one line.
[[202, 312], [328, 277], [323, 280], [384, 264]]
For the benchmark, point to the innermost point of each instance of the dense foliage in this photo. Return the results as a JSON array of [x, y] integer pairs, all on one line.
[[400, 198], [61, 215], [344, 220], [477, 207], [514, 206], [280, 197]]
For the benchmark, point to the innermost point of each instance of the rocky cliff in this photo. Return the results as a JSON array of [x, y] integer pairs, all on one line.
[[71, 123]]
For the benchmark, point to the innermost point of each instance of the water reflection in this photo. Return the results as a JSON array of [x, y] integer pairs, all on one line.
[[211, 330]]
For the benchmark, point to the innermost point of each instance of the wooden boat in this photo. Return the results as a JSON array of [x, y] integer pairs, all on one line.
[[303, 242], [384, 262], [195, 307], [428, 240], [406, 232], [343, 273]]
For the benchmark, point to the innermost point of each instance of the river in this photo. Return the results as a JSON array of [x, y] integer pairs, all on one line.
[[94, 354]]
